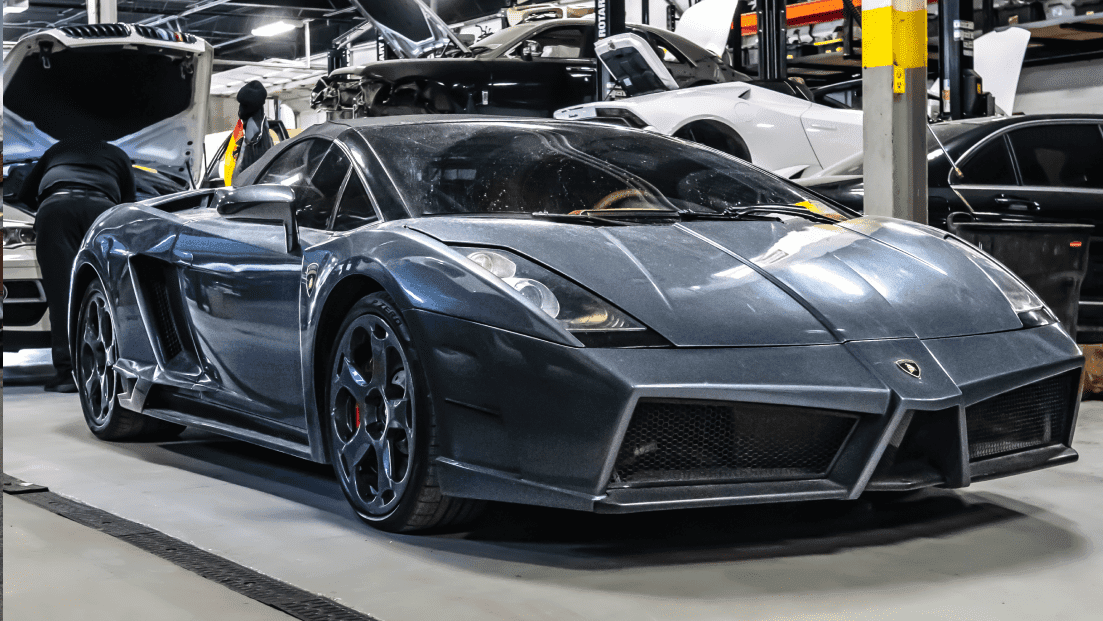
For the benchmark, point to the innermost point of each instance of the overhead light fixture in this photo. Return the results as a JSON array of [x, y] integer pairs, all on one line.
[[15, 6], [275, 28]]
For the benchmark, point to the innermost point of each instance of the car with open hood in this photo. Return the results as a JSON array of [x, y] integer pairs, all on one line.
[[531, 69], [140, 88], [457, 309], [790, 135]]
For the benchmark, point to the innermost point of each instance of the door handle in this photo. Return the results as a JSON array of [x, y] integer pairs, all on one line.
[[1013, 202], [829, 128], [581, 71]]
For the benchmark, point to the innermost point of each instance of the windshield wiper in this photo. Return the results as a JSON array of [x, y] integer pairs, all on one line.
[[579, 218], [786, 210], [687, 214]]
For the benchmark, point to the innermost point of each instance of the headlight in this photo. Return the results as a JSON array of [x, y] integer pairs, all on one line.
[[1029, 307], [16, 235], [592, 320]]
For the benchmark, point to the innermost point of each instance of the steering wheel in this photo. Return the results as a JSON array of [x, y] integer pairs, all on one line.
[[613, 198]]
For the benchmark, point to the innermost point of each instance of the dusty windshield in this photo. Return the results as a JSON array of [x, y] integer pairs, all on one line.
[[564, 168]]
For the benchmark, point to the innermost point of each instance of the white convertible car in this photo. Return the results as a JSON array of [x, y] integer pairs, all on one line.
[[143, 89], [782, 133]]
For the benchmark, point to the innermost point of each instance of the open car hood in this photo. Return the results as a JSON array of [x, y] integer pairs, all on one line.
[[408, 26], [708, 24], [142, 89]]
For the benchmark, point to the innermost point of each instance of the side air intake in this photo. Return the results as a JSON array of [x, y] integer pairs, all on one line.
[[1029, 417]]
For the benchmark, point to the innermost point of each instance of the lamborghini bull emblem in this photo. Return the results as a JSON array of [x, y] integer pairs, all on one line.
[[910, 367]]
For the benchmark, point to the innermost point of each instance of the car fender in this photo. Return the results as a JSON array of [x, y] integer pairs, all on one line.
[[419, 273]]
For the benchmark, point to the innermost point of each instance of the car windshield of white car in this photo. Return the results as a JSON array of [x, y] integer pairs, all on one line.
[[499, 167]]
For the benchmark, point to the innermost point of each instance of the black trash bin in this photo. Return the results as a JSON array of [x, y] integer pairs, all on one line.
[[1050, 257]]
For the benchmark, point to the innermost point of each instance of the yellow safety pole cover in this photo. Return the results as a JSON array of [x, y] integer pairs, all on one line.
[[894, 33]]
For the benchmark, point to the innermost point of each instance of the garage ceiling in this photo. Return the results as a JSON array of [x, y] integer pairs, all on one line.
[[228, 24]]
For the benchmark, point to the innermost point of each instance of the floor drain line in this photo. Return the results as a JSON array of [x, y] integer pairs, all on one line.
[[269, 591]]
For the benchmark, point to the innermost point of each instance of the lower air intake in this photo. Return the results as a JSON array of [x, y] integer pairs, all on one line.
[[688, 442], [1024, 418]]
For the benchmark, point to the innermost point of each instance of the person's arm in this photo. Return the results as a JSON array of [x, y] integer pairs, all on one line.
[[28, 192], [127, 186]]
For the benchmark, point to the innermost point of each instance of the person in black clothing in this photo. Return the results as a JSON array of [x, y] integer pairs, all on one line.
[[70, 186], [250, 110]]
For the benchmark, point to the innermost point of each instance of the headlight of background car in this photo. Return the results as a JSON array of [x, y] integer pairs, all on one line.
[[1029, 307], [16, 235], [592, 320]]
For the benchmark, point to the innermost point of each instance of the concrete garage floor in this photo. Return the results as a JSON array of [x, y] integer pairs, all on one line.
[[1027, 547]]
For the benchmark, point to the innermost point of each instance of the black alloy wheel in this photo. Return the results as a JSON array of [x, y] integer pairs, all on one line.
[[97, 380], [379, 428]]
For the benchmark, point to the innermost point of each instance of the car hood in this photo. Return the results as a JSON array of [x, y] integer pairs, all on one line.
[[409, 27], [761, 283], [142, 89], [708, 24]]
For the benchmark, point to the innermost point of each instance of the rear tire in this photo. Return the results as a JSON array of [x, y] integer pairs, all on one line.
[[717, 136], [98, 382], [380, 426]]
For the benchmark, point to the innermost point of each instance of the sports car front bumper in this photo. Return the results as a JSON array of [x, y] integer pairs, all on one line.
[[26, 321], [524, 420]]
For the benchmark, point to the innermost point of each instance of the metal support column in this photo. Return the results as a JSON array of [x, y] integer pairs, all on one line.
[[102, 11], [735, 36], [339, 57], [610, 21], [771, 40], [955, 59], [894, 90]]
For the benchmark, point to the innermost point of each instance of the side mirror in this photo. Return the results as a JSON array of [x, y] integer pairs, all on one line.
[[267, 204], [531, 48]]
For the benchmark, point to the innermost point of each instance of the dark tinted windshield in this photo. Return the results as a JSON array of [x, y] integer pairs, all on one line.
[[503, 167]]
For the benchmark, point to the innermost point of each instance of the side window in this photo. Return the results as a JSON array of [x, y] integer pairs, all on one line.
[[565, 42], [355, 209], [295, 164], [989, 165], [319, 195], [1060, 155]]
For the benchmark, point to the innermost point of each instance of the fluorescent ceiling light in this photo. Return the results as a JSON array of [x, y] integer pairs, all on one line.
[[15, 6], [275, 28]]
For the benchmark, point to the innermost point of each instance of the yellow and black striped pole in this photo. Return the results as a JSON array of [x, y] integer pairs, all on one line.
[[894, 101]]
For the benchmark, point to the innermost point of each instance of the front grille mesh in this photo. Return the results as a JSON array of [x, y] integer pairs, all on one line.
[[29, 290], [683, 442], [18, 315], [1024, 418]]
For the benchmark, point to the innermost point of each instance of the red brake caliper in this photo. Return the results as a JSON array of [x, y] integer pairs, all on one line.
[[357, 415]]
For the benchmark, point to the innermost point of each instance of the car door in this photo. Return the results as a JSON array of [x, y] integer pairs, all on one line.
[[988, 174], [243, 286], [1061, 169], [562, 73]]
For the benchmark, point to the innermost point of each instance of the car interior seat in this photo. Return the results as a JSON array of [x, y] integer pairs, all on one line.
[[633, 62]]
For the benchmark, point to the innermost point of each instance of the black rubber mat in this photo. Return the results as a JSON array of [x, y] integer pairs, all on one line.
[[280, 595]]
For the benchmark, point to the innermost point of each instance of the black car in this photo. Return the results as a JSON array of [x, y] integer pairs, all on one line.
[[1045, 167], [531, 69]]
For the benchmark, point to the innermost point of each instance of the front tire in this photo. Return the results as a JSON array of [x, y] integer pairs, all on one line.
[[380, 426], [98, 382]]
